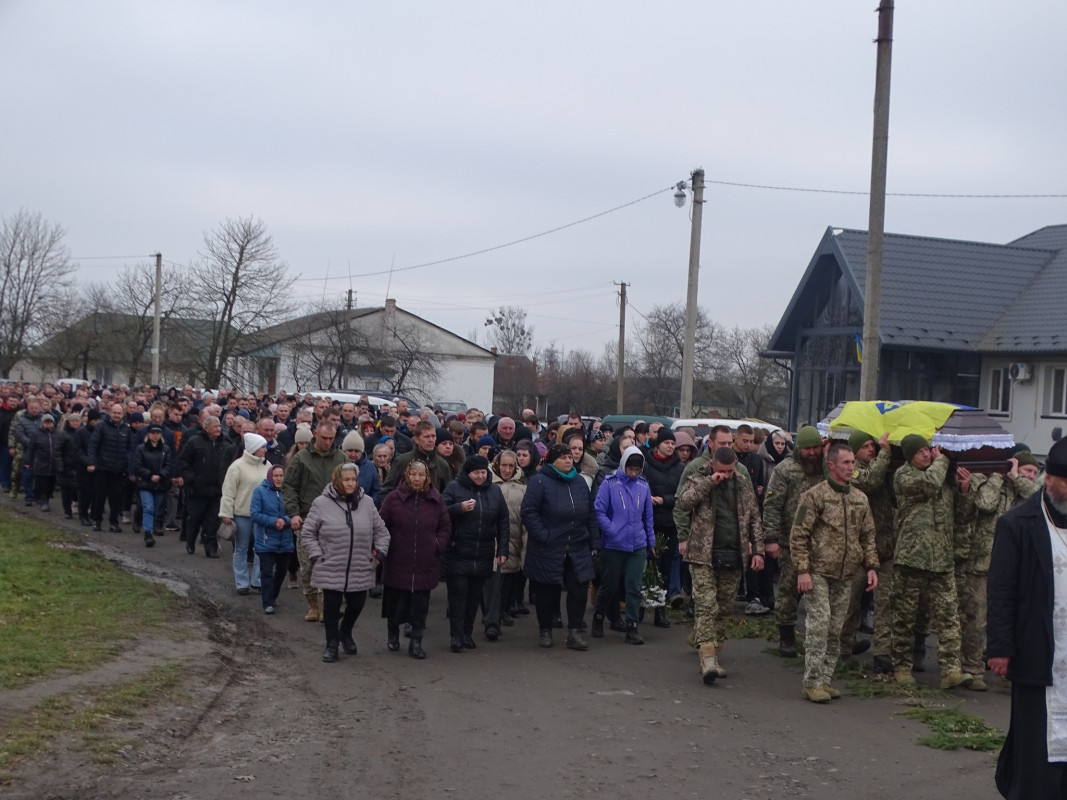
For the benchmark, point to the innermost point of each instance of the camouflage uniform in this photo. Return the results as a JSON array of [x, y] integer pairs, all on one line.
[[993, 495], [787, 483], [924, 558], [714, 589], [832, 539], [873, 479], [682, 518]]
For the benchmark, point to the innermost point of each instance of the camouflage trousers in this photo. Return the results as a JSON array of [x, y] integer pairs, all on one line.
[[883, 610], [827, 605], [972, 609], [785, 605], [713, 601], [305, 569], [937, 590], [857, 586]]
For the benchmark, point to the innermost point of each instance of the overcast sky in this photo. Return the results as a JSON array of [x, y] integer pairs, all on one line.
[[371, 135]]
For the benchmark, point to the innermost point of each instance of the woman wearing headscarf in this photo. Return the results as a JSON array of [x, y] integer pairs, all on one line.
[[242, 478], [624, 512], [529, 458], [512, 483], [419, 529], [272, 535], [344, 536], [480, 534], [611, 458], [562, 537], [772, 452]]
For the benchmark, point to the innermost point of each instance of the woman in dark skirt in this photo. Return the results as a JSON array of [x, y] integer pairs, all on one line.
[[419, 528]]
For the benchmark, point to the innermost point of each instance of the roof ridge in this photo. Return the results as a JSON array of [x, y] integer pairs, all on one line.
[[997, 245]]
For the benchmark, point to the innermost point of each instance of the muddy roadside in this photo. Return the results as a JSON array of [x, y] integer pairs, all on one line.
[[259, 715]]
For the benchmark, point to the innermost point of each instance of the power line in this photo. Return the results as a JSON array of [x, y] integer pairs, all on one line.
[[485, 250], [890, 194], [109, 258]]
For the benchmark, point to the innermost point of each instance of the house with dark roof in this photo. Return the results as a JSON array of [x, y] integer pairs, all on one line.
[[974, 323], [382, 348]]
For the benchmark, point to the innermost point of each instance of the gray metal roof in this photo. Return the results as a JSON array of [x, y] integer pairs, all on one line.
[[1034, 321], [949, 294], [1051, 237]]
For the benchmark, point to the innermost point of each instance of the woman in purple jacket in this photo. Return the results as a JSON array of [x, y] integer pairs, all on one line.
[[419, 527], [624, 511]]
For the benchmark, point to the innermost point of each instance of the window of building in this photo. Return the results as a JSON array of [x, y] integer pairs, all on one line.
[[1056, 391], [999, 391]]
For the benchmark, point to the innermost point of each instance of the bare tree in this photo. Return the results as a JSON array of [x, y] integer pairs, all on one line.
[[661, 344], [508, 331], [409, 360], [328, 348], [240, 285], [762, 384], [35, 269]]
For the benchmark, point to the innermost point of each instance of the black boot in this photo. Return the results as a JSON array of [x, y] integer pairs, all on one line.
[[918, 656], [575, 641], [598, 626], [660, 621], [456, 644], [468, 642], [348, 643], [393, 642], [787, 642], [557, 621], [415, 648], [329, 655], [882, 665], [632, 636], [546, 638], [149, 540], [520, 610]]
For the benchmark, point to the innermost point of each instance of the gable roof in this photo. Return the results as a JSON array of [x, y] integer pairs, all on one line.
[[948, 294]]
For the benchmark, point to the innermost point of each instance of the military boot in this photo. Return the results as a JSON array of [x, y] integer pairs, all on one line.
[[787, 641], [918, 654], [718, 664], [313, 607], [951, 680], [709, 667], [817, 694], [632, 636]]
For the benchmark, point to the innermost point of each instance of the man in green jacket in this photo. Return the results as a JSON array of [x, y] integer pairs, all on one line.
[[831, 541], [796, 474], [926, 552]]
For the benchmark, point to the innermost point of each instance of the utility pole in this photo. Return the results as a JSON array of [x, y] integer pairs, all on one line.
[[155, 320], [685, 407], [872, 293], [348, 305], [620, 377]]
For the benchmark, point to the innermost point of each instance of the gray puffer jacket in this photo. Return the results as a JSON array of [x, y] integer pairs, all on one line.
[[341, 535]]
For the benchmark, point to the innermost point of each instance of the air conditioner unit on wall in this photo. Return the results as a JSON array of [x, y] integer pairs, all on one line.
[[1021, 371]]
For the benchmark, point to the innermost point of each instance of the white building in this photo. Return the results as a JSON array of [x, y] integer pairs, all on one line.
[[383, 349]]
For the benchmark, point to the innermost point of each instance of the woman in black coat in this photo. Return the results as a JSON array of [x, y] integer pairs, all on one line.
[[562, 536], [70, 464], [663, 471], [480, 532]]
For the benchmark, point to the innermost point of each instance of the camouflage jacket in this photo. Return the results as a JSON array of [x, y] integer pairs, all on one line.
[[993, 495], [833, 532], [696, 500], [927, 511], [788, 482], [682, 518], [873, 479]]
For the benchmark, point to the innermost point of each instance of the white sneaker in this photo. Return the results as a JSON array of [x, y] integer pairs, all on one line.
[[756, 609]]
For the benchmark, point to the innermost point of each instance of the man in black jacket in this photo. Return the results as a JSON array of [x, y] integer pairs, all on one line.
[[1029, 551], [203, 465], [109, 450]]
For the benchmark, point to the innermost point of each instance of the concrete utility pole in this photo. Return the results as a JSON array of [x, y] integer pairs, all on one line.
[[155, 320], [872, 293], [620, 377], [348, 304], [685, 407]]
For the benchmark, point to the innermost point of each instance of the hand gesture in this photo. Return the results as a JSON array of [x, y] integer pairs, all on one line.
[[883, 443]]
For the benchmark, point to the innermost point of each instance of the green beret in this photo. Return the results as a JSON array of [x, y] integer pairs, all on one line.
[[912, 444], [809, 436], [1026, 458], [858, 439]]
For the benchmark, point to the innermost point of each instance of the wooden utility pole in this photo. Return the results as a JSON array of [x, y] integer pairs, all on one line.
[[620, 377], [155, 320], [872, 291], [685, 407], [348, 304]]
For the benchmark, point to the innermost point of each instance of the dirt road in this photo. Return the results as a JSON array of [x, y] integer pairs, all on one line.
[[264, 717]]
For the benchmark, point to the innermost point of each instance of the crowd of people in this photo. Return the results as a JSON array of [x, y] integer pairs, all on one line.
[[342, 502]]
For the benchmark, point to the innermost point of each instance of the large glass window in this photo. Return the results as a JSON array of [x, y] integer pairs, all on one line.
[[1056, 391], [999, 391]]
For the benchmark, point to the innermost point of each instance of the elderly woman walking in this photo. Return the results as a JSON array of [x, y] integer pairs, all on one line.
[[343, 536], [419, 529]]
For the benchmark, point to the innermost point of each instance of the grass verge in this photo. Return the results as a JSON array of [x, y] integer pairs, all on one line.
[[953, 730], [87, 715], [63, 608]]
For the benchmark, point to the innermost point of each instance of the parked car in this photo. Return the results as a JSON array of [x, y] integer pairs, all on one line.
[[451, 406], [616, 421]]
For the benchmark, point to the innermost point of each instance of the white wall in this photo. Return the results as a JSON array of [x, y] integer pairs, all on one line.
[[1025, 419]]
